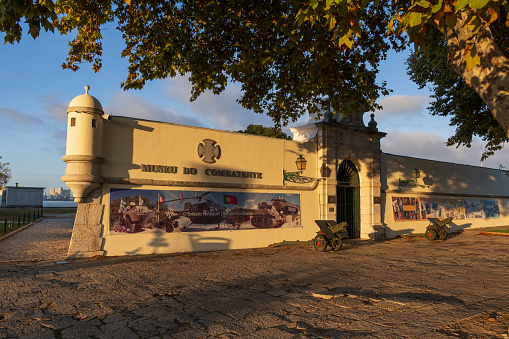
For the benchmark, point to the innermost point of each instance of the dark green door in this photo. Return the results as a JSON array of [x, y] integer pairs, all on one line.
[[348, 198]]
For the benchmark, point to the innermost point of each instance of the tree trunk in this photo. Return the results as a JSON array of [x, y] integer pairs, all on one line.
[[490, 79]]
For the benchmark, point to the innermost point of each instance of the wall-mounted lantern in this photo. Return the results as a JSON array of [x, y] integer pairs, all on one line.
[[301, 163], [416, 173]]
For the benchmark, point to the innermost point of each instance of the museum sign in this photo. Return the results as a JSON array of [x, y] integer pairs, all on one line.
[[208, 171]]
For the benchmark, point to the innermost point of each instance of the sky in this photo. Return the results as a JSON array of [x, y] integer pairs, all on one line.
[[35, 92]]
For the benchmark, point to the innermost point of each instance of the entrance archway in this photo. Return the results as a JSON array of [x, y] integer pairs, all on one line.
[[348, 198]]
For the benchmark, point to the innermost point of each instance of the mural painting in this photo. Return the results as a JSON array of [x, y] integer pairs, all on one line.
[[491, 209], [454, 208], [431, 208], [136, 211], [406, 208], [473, 208]]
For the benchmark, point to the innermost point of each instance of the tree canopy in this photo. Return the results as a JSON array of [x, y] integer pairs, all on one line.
[[472, 51], [272, 132], [5, 174], [453, 97], [284, 69], [290, 56]]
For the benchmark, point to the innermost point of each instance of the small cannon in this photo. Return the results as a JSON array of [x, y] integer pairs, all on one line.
[[329, 235], [437, 229]]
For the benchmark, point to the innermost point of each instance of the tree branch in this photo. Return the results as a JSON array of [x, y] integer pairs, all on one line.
[[489, 79]]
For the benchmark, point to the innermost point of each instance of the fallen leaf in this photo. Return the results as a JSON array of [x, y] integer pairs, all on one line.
[[322, 296]]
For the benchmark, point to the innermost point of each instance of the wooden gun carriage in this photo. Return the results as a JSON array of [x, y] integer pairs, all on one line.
[[330, 234], [437, 229]]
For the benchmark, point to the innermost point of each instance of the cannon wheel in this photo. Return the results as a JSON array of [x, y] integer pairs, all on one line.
[[442, 234], [431, 234], [129, 225], [320, 243], [337, 244]]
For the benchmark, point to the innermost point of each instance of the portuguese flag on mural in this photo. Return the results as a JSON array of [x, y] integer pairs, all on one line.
[[230, 199]]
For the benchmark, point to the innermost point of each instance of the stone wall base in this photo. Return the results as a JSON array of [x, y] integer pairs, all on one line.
[[86, 238]]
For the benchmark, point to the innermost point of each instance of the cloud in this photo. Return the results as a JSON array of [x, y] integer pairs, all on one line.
[[56, 109], [407, 113], [403, 104], [19, 118], [130, 105], [55, 143], [249, 204], [432, 146], [217, 111]]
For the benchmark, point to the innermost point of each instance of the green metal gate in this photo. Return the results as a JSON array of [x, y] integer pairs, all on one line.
[[348, 198]]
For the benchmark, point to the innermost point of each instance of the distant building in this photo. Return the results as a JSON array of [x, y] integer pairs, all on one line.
[[15, 196], [58, 194]]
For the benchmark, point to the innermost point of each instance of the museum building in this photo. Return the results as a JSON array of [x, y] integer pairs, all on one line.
[[156, 187]]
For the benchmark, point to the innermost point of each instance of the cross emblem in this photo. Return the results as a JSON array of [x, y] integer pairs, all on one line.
[[209, 151]]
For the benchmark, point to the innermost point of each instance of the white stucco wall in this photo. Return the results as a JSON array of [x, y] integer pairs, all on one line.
[[131, 143], [441, 181]]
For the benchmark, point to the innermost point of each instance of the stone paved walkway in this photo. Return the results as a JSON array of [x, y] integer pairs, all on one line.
[[402, 288], [44, 240]]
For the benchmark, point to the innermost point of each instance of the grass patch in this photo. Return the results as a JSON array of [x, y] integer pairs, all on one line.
[[500, 231], [60, 210], [10, 213], [11, 226], [13, 218]]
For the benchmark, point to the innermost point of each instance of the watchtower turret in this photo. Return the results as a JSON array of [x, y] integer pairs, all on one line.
[[84, 145]]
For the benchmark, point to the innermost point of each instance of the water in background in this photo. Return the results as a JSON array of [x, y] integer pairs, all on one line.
[[56, 203]]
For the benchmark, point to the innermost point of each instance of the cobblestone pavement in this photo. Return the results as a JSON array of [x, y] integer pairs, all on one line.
[[402, 288], [44, 240]]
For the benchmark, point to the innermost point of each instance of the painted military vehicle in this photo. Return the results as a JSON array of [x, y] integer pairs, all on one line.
[[284, 207], [238, 217], [204, 212], [133, 218], [271, 215], [266, 216]]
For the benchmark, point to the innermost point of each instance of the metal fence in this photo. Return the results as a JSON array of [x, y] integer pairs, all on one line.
[[14, 223]]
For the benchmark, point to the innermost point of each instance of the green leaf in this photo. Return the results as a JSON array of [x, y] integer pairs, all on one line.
[[475, 24], [437, 7], [47, 3], [450, 21], [422, 3], [346, 40], [390, 25], [461, 4], [332, 22], [472, 58], [414, 19], [301, 17], [476, 4], [399, 29]]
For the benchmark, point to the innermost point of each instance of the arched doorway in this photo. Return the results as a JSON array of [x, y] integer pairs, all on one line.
[[348, 198]]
